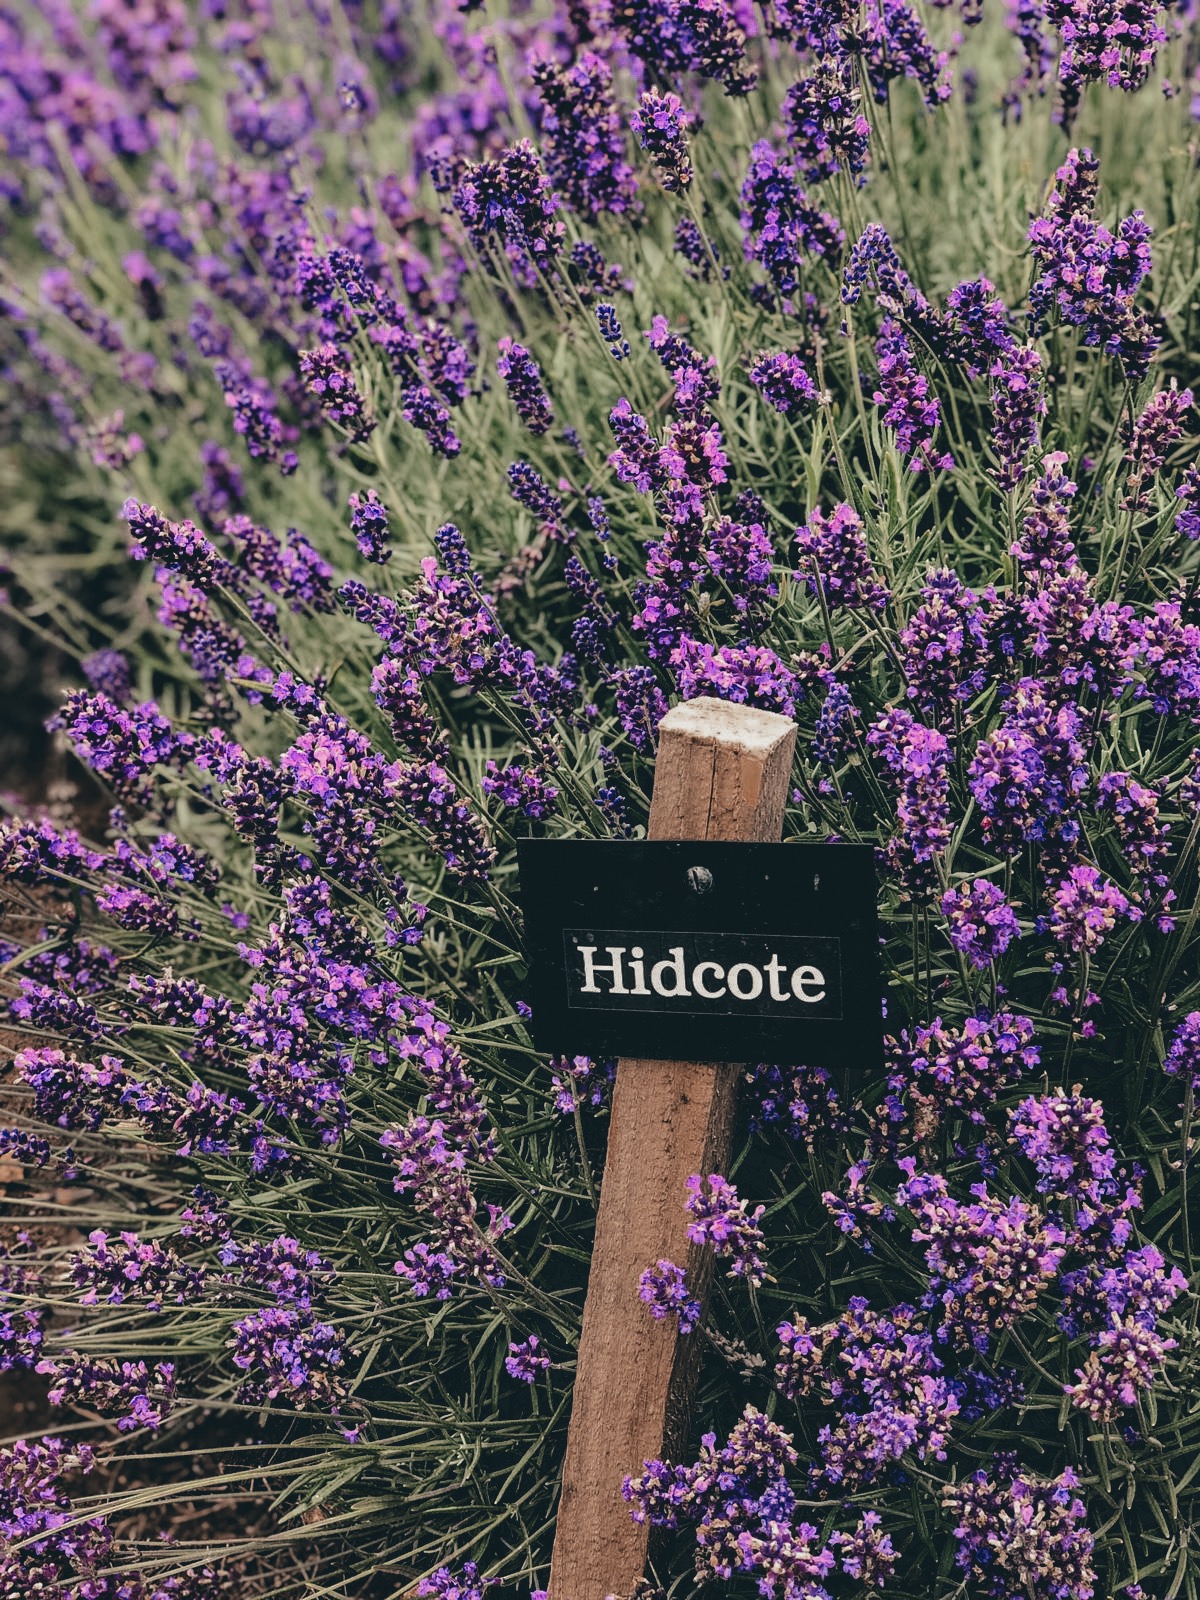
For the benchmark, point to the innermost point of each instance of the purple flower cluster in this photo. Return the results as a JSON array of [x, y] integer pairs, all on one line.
[[1089, 276], [1085, 908], [880, 1370], [917, 761], [783, 230], [781, 379], [1182, 1059], [289, 1358], [749, 674], [946, 654], [722, 1223], [523, 380], [510, 199], [1017, 1534], [328, 378], [660, 125], [827, 132], [989, 1260], [835, 560], [525, 1361], [579, 1081], [908, 403], [135, 1395], [370, 527], [664, 1288], [980, 921], [582, 137], [676, 37], [1028, 777], [110, 1270], [744, 1513], [937, 1069], [1149, 439]]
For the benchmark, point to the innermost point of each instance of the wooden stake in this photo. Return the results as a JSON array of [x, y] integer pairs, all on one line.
[[722, 772]]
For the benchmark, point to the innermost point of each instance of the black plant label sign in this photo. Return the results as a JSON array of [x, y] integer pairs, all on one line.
[[704, 952]]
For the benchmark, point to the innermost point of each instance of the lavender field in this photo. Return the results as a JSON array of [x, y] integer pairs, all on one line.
[[403, 407]]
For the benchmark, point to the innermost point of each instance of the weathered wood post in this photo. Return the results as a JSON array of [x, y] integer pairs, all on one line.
[[722, 773]]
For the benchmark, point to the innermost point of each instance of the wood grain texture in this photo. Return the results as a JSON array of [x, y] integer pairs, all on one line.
[[722, 772]]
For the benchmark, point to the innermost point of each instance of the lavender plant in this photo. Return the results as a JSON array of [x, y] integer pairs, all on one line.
[[405, 405]]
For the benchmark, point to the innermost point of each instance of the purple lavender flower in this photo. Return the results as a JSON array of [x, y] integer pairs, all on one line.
[[1090, 276], [1028, 776], [835, 560], [746, 674], [369, 525], [1149, 439], [420, 407], [1018, 405], [579, 1081], [529, 489], [610, 331], [783, 228], [428, 1271], [522, 788], [989, 1260], [290, 1358], [664, 1289], [582, 136], [880, 1371], [641, 705], [1084, 909], [898, 46], [136, 1395], [446, 1584], [179, 546], [1104, 43], [918, 760], [1065, 1138], [945, 643], [676, 37], [125, 747], [1037, 1526], [1187, 518], [908, 402], [978, 328], [255, 415], [525, 1361], [660, 125], [721, 1221], [939, 1069], [744, 1514], [781, 379], [699, 253], [694, 376], [1183, 1054], [1045, 540], [523, 380], [327, 376], [980, 921], [1169, 651], [108, 673], [111, 1270], [1135, 810], [1125, 1362], [223, 490], [827, 132], [511, 198]]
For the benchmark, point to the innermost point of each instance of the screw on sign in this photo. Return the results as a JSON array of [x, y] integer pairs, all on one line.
[[722, 773]]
